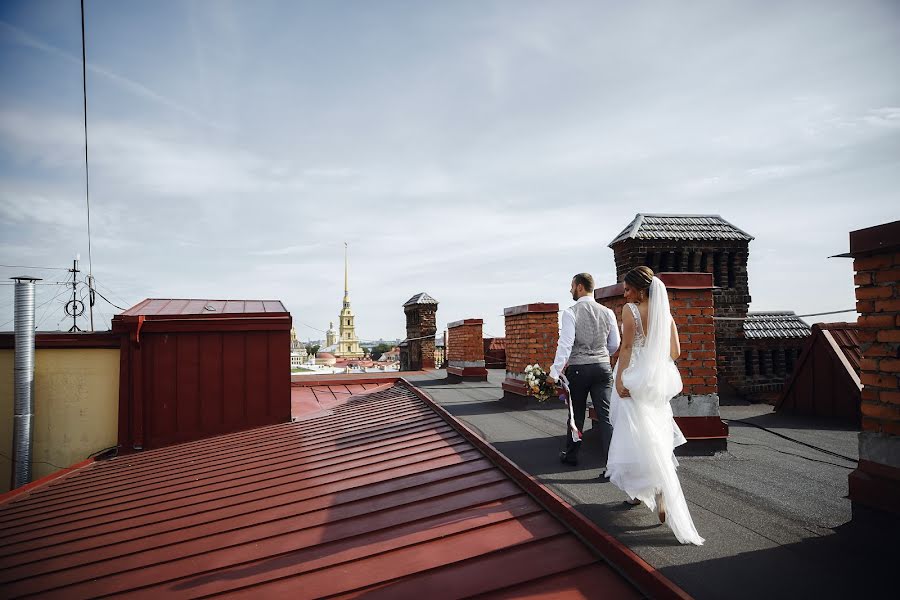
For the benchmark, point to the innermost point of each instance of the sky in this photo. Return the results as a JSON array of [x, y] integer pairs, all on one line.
[[482, 152]]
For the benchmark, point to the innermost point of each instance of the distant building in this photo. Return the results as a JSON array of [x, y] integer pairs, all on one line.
[[440, 352], [299, 355], [331, 336], [326, 359]]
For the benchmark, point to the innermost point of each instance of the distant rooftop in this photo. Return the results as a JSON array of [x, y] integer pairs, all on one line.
[[775, 324], [195, 307], [420, 298], [680, 227]]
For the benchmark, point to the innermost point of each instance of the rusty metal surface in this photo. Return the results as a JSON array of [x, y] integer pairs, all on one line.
[[381, 497], [159, 307]]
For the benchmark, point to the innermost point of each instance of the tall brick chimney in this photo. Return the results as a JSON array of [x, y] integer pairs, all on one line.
[[876, 259], [417, 350]]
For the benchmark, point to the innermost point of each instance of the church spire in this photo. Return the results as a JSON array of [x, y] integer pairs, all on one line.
[[346, 287]]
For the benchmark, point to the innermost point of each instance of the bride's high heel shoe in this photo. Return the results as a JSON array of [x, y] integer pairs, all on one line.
[[661, 507]]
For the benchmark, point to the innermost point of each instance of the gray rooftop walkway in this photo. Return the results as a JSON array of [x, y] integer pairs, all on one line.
[[774, 512]]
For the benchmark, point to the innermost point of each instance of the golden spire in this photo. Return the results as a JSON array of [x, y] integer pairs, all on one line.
[[346, 287]]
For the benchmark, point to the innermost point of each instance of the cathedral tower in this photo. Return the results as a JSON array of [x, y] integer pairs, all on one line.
[[348, 343]]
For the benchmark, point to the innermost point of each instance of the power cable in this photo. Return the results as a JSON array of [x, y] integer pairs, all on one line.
[[778, 317], [790, 439], [38, 307], [111, 293], [87, 178], [47, 312], [311, 327], [34, 462], [825, 462], [31, 267]]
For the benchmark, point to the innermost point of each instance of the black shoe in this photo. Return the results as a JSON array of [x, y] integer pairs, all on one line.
[[603, 478], [567, 459]]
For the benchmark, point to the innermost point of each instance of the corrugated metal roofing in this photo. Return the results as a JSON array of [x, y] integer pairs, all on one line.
[[205, 308], [680, 227], [847, 338], [822, 383], [775, 324], [382, 498], [313, 399], [420, 298]]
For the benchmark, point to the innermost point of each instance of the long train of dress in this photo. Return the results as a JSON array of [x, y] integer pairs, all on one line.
[[641, 461]]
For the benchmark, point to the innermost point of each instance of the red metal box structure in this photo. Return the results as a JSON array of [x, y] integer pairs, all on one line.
[[196, 368]]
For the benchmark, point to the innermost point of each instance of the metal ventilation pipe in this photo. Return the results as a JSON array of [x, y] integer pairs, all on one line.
[[23, 403]]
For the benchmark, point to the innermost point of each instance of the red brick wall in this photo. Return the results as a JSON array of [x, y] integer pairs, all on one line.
[[465, 341], [691, 301], [532, 332], [878, 302]]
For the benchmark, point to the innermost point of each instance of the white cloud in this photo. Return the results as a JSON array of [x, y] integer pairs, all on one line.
[[482, 155]]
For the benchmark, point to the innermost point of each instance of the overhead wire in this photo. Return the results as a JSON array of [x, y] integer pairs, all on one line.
[[48, 311], [37, 307], [87, 176], [781, 316], [32, 267], [112, 293]]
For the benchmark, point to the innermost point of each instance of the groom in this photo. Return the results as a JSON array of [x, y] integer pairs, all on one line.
[[587, 338]]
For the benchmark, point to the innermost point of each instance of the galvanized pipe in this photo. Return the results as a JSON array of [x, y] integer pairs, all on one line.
[[23, 403]]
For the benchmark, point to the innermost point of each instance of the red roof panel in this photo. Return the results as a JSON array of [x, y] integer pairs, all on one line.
[[380, 496], [198, 307], [847, 338]]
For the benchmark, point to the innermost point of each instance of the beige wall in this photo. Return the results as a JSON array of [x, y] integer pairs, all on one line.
[[76, 397]]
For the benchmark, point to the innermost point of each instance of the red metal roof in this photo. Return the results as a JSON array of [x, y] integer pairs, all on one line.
[[847, 338], [159, 307], [312, 400], [386, 497], [823, 383]]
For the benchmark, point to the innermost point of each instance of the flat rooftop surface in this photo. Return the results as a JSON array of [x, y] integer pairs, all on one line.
[[379, 498], [774, 511]]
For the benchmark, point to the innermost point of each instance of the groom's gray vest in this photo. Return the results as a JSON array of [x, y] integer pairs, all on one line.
[[591, 332]]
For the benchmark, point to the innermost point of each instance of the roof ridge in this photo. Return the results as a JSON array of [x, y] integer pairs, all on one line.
[[716, 227]]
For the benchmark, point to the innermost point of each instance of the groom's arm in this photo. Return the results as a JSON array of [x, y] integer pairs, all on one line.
[[612, 340], [564, 346]]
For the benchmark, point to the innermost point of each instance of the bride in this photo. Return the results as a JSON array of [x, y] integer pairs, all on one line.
[[641, 461]]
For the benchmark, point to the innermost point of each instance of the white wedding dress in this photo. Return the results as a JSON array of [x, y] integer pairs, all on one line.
[[641, 460]]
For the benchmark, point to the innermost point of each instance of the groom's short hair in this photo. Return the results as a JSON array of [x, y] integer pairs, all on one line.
[[586, 281]]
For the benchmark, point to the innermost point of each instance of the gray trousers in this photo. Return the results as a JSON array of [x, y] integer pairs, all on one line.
[[596, 380]]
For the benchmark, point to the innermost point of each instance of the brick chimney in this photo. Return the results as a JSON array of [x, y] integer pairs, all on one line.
[[417, 350], [876, 481], [465, 351], [532, 332]]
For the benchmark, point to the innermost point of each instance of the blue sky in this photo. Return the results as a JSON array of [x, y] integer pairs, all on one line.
[[482, 152]]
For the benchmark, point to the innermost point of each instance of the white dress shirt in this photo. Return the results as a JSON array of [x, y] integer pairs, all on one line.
[[567, 336]]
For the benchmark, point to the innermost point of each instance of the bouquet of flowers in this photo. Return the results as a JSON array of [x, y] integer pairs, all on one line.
[[537, 384]]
